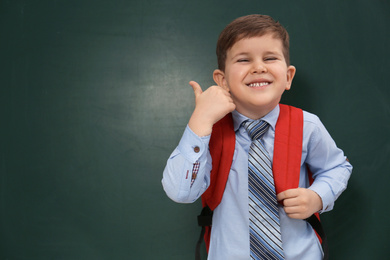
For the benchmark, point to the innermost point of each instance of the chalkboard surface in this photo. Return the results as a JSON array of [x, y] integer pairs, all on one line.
[[95, 96]]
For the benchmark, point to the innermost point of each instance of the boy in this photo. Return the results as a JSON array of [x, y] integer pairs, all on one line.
[[253, 72]]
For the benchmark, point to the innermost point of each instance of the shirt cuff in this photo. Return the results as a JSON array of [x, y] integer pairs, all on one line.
[[192, 146], [325, 194]]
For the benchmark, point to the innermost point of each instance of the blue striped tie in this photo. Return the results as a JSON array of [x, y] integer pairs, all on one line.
[[264, 225]]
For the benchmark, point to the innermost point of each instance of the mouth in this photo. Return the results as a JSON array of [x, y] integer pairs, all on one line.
[[259, 84]]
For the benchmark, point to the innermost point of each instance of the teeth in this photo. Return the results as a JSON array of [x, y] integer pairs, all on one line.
[[258, 84]]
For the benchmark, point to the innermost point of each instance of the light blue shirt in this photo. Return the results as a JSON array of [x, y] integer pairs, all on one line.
[[230, 230]]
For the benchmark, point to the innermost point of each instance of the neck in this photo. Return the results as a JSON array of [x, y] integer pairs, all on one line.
[[256, 114]]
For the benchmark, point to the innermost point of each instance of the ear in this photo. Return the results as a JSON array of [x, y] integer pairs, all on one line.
[[219, 78], [290, 75]]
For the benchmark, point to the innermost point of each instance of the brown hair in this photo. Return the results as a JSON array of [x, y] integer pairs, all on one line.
[[247, 27]]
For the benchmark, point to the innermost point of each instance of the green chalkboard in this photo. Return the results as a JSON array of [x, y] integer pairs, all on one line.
[[95, 96]]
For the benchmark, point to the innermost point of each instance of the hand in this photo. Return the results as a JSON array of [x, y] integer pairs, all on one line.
[[300, 203], [210, 106]]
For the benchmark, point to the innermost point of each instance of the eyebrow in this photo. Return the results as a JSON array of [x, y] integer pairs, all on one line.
[[265, 53], [273, 53], [240, 54]]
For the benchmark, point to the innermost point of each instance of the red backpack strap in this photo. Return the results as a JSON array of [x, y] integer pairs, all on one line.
[[287, 160], [287, 148], [222, 143]]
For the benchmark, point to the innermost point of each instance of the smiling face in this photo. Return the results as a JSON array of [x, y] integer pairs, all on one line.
[[256, 74]]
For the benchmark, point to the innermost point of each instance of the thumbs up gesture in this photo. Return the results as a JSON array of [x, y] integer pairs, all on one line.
[[210, 106]]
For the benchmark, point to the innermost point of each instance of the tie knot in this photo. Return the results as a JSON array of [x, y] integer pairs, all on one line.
[[256, 129]]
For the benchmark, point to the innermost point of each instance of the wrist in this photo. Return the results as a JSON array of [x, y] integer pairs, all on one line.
[[200, 125], [199, 128], [317, 201]]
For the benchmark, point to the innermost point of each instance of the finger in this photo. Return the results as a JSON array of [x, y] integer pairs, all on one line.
[[288, 194], [293, 210], [297, 216], [196, 87], [229, 98], [291, 202], [281, 196], [227, 93], [297, 212]]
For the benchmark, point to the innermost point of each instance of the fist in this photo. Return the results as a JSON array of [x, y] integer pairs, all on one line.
[[210, 106], [300, 203]]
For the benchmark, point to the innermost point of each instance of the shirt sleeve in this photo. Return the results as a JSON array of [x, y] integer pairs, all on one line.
[[187, 173], [330, 168]]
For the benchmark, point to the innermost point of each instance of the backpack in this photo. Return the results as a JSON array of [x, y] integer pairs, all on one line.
[[286, 167]]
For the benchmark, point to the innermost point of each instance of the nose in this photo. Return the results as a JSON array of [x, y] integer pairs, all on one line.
[[258, 68]]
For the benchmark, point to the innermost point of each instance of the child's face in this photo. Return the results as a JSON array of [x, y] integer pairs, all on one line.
[[256, 74]]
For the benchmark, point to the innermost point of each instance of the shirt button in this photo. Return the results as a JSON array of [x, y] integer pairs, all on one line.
[[196, 149]]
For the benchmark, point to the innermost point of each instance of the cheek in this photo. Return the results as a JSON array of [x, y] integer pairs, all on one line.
[[234, 78], [235, 73]]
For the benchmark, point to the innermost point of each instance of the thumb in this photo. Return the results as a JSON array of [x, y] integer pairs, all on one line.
[[280, 196], [196, 87]]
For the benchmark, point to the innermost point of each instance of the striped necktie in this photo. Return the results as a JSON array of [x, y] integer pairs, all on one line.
[[264, 225]]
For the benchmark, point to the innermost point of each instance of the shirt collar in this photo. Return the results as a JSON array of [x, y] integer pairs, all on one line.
[[270, 118]]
